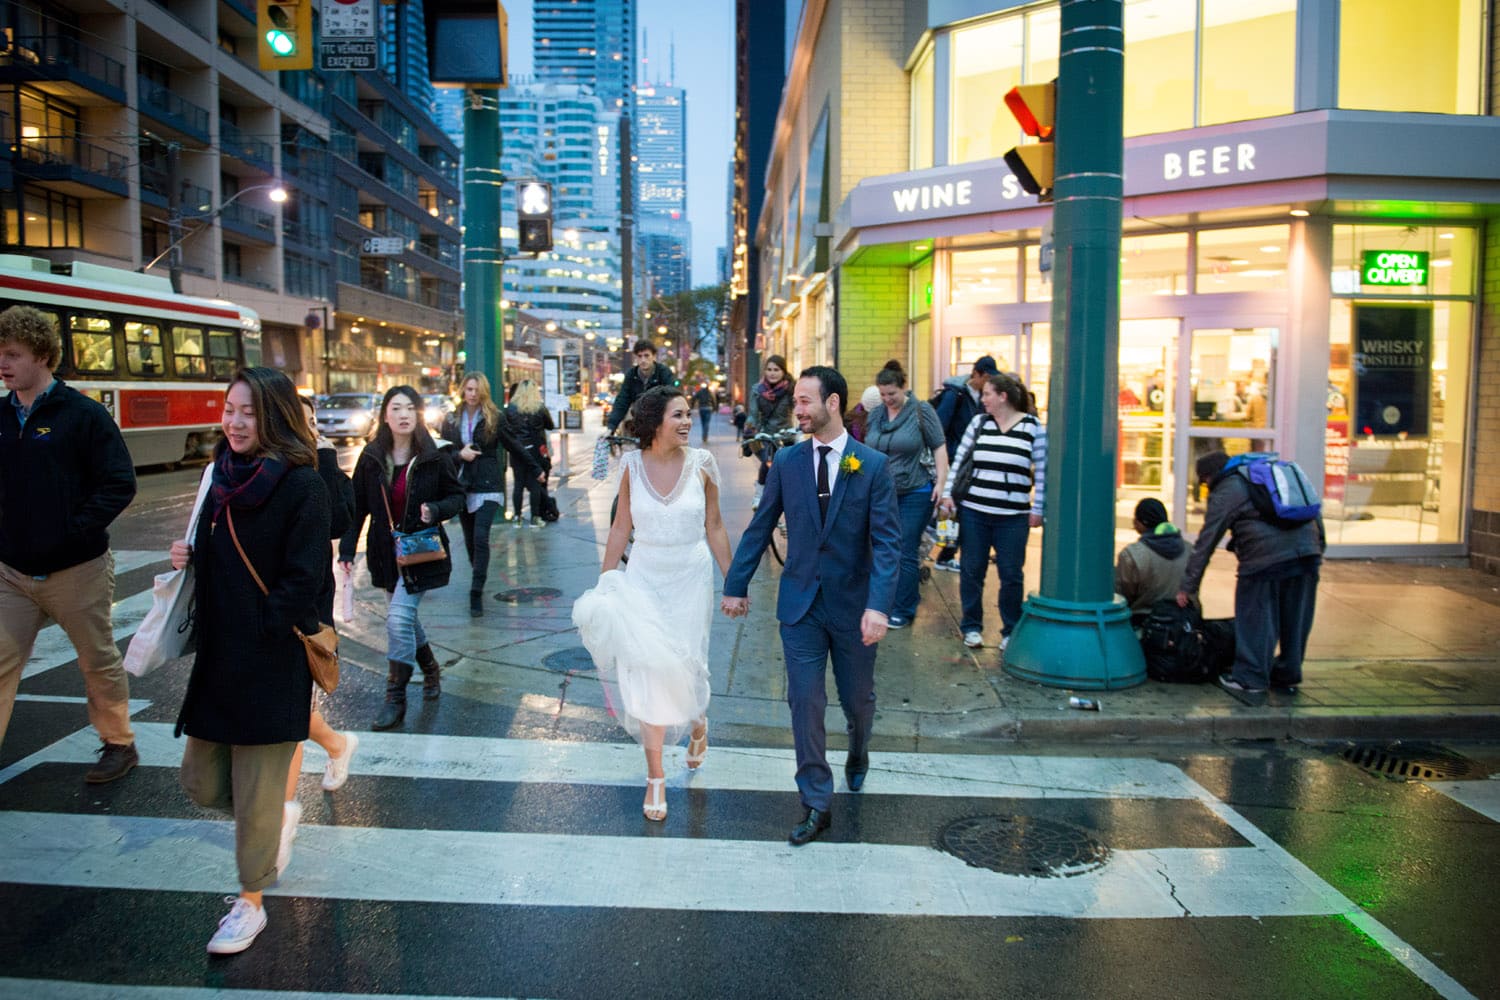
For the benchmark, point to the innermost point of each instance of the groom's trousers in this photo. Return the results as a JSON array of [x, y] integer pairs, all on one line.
[[808, 644]]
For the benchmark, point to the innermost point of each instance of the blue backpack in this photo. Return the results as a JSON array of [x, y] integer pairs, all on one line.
[[1280, 490]]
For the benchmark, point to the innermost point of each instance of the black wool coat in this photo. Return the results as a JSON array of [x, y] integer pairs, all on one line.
[[250, 684], [486, 474], [432, 480]]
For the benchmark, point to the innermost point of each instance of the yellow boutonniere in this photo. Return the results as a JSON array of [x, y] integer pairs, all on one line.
[[849, 465]]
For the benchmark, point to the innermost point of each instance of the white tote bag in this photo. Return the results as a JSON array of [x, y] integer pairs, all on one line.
[[164, 632]]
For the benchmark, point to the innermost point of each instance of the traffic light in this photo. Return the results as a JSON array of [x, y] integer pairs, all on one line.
[[284, 31], [1035, 107], [534, 216]]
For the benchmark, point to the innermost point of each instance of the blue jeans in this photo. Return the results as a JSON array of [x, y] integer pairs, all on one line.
[[403, 630], [705, 418], [915, 508], [1006, 535]]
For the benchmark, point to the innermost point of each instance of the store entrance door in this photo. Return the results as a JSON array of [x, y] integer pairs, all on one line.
[[1148, 419]]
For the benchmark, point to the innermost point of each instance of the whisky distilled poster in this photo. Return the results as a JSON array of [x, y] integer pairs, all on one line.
[[1392, 369]]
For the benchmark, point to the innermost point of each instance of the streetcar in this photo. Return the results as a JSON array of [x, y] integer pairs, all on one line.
[[157, 360]]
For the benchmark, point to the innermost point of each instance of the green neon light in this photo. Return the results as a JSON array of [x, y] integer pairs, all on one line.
[[281, 43], [1402, 268]]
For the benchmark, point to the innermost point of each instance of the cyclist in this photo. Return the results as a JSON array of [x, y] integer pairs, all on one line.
[[770, 411], [646, 373]]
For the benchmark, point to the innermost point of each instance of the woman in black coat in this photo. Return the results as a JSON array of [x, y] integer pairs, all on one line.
[[532, 423], [403, 475], [481, 436], [247, 701]]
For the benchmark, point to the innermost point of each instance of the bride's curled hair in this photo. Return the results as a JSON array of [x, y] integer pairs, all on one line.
[[650, 410]]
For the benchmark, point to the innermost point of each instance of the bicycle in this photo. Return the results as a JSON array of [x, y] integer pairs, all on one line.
[[617, 444], [771, 441]]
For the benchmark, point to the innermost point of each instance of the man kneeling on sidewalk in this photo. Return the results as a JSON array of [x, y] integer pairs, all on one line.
[[65, 474]]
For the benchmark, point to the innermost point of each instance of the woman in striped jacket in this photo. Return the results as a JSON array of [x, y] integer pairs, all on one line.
[[1002, 504]]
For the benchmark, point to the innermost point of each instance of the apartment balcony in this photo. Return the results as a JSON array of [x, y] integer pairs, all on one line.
[[235, 142], [65, 68], [172, 112], [68, 165], [252, 223]]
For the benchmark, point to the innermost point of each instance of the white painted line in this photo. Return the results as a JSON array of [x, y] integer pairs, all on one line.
[[758, 769], [1418, 964], [129, 559], [475, 867], [52, 647], [59, 989], [136, 704], [1481, 796]]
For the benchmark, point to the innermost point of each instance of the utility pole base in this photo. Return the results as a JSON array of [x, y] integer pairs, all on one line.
[[1069, 644]]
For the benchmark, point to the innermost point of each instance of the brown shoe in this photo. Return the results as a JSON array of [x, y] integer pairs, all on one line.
[[115, 761]]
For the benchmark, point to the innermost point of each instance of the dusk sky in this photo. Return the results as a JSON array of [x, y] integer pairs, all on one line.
[[704, 36]]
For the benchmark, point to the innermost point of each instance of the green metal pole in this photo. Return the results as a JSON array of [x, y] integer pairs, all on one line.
[[484, 259], [1075, 633]]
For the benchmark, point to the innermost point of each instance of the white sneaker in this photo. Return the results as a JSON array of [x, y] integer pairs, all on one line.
[[1004, 641], [337, 771], [239, 928], [291, 815], [949, 565], [973, 640]]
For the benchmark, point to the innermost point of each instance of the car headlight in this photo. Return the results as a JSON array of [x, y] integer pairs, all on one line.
[[360, 420], [434, 414]]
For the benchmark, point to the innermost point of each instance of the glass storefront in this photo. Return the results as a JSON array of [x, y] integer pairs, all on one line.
[[1377, 38]]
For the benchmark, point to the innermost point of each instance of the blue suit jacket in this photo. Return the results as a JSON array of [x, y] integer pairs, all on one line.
[[854, 556]]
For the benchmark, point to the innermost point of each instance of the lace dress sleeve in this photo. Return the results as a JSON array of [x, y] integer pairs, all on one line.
[[709, 466]]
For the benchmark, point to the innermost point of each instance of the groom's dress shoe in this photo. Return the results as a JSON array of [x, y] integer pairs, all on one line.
[[809, 829], [855, 770]]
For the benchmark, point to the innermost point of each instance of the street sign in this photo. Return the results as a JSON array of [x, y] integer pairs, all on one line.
[[347, 37], [382, 246]]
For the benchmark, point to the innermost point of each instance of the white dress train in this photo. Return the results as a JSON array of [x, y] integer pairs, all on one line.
[[646, 625]]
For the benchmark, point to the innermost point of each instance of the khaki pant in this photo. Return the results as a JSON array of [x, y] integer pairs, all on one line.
[[250, 782], [78, 599]]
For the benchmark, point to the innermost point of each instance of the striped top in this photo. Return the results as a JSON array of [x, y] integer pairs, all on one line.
[[1008, 466]]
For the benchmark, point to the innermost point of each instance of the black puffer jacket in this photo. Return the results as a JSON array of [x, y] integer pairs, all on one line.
[[250, 685], [431, 480], [531, 436]]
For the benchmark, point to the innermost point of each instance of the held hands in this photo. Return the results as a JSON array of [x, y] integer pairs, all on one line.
[[182, 552], [735, 607], [872, 627]]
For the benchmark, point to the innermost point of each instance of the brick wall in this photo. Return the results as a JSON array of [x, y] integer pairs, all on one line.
[[1484, 529], [875, 95], [871, 323]]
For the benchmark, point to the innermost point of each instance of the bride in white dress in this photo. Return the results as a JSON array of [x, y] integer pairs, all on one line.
[[646, 625]]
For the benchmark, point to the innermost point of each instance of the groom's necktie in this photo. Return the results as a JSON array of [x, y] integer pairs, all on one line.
[[823, 492]]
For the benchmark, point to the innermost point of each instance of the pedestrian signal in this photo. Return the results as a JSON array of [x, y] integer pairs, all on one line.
[[534, 216], [1035, 107], [284, 30]]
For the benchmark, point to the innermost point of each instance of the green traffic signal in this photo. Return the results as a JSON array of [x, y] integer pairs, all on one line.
[[279, 36]]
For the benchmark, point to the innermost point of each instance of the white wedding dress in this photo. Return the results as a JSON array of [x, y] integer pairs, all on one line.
[[646, 625]]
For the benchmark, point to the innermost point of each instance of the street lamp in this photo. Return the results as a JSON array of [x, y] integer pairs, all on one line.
[[175, 219]]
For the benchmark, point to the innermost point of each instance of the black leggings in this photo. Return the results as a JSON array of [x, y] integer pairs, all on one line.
[[526, 482], [477, 539]]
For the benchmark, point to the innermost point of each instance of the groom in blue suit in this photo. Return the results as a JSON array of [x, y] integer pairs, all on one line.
[[843, 556]]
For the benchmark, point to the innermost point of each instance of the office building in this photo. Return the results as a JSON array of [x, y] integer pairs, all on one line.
[[664, 237], [589, 43]]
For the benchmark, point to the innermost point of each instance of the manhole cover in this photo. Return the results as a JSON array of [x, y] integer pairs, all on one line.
[[528, 595], [1409, 761], [1022, 845], [575, 659]]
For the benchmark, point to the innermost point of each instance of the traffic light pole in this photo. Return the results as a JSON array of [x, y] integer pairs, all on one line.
[[1075, 632], [484, 258]]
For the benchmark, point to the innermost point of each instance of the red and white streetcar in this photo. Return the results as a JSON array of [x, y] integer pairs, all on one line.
[[157, 360]]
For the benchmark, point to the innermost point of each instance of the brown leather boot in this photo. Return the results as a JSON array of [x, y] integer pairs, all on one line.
[[393, 712], [432, 674]]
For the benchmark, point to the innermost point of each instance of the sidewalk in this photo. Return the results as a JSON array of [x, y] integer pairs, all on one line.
[[1398, 651]]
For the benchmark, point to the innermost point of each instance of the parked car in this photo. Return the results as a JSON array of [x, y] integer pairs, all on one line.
[[439, 407], [348, 416]]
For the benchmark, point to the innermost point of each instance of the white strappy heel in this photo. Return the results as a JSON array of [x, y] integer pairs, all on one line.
[[697, 748], [655, 806]]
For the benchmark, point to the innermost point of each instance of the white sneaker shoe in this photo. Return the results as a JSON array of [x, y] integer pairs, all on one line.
[[1004, 641], [337, 771], [239, 928], [973, 640], [291, 815], [949, 565]]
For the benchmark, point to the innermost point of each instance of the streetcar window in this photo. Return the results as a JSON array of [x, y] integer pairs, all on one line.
[[93, 344], [187, 346], [250, 341], [143, 349], [224, 354]]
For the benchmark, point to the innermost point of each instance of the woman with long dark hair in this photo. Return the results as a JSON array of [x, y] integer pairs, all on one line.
[[770, 411], [532, 423], [246, 709], [403, 482], [481, 434], [907, 430], [647, 627]]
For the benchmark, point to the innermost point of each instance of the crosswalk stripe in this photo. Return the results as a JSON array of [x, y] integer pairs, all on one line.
[[136, 704], [59, 989], [472, 758], [1481, 796], [477, 867], [52, 647]]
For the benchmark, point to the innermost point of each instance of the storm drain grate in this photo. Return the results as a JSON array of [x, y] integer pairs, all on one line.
[[574, 659], [528, 595], [1022, 845], [1409, 761]]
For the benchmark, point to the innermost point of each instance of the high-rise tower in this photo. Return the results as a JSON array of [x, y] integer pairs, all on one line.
[[587, 42]]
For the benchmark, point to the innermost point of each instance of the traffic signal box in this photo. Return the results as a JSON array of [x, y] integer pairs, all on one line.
[[1035, 107], [534, 216], [284, 33]]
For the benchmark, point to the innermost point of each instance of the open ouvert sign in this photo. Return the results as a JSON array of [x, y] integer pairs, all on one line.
[[1393, 267]]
